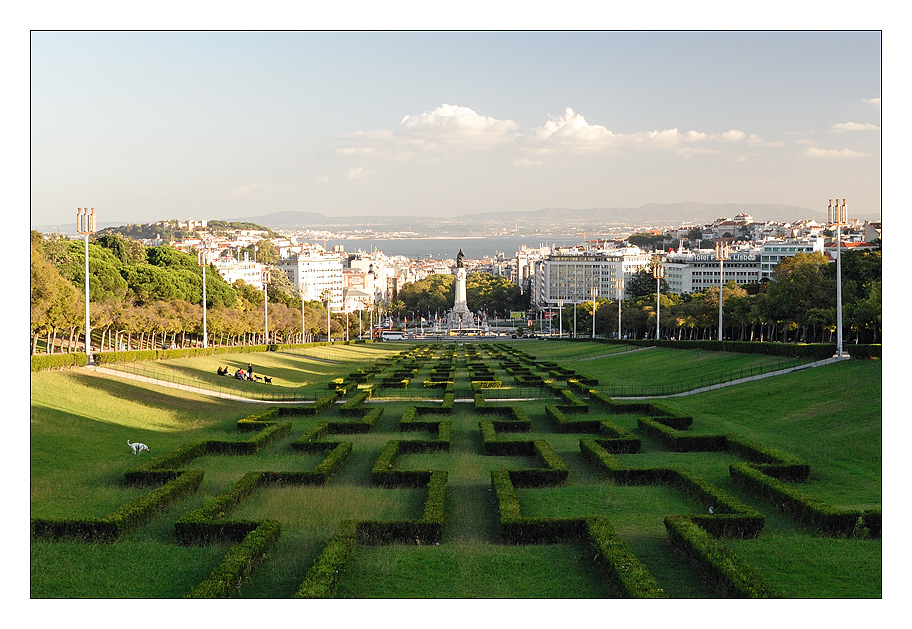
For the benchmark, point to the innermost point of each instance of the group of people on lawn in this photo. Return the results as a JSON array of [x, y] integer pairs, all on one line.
[[240, 374]]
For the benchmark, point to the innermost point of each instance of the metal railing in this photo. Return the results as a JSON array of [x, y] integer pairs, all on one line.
[[246, 389], [703, 381]]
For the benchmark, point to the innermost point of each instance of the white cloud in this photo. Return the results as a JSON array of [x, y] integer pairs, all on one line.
[[572, 130], [449, 129], [444, 129], [872, 101], [816, 152], [359, 173], [755, 140], [453, 123], [855, 126]]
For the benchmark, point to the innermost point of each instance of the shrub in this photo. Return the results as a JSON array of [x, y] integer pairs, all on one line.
[[42, 362], [323, 577], [864, 351], [826, 518], [239, 562], [680, 441], [729, 574]]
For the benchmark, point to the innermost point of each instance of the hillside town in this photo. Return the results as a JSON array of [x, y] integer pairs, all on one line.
[[689, 256]]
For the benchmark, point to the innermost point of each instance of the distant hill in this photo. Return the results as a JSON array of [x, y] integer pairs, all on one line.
[[652, 214], [573, 219]]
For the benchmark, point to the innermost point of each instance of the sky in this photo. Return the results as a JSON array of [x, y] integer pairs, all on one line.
[[152, 125]]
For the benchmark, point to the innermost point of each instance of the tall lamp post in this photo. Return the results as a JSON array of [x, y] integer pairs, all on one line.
[[575, 306], [202, 259], [327, 295], [560, 318], [265, 274], [619, 287], [721, 256], [658, 272], [303, 290], [838, 216], [593, 292], [85, 225]]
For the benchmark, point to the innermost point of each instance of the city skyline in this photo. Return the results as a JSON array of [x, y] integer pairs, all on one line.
[[228, 125]]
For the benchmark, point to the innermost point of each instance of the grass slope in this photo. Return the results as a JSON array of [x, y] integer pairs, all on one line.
[[80, 423]]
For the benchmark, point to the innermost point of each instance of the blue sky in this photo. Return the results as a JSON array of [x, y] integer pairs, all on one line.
[[145, 126]]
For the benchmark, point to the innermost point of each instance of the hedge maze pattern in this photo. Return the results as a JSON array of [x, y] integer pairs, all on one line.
[[573, 408]]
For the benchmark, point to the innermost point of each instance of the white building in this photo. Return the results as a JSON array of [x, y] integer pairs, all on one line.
[[695, 271], [313, 273], [232, 270], [775, 251], [572, 277], [524, 262]]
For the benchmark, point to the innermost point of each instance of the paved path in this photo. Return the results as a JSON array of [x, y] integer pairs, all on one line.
[[238, 398], [712, 387], [185, 387]]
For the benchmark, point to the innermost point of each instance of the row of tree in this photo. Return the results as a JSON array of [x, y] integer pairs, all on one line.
[[798, 305], [143, 297]]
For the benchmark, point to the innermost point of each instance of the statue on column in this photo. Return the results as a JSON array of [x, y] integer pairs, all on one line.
[[460, 316]]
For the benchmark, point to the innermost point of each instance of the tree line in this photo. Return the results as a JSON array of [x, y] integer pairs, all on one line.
[[147, 297], [797, 305]]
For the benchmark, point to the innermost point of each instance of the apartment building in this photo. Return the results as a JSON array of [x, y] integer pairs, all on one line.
[[571, 277], [312, 273], [232, 270], [695, 271]]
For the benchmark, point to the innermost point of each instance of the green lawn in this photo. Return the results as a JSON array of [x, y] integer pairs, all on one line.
[[80, 422]]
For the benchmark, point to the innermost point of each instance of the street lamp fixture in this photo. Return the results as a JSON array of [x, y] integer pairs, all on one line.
[[85, 225], [619, 287], [265, 275], [593, 292], [202, 259], [721, 256], [658, 272], [303, 291], [560, 318], [838, 216]]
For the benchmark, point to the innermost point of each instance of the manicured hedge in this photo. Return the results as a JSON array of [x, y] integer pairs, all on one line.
[[816, 351], [228, 577], [566, 424], [826, 518], [126, 518], [864, 351], [681, 441], [43, 362], [723, 569], [621, 565], [323, 577], [768, 460], [132, 356]]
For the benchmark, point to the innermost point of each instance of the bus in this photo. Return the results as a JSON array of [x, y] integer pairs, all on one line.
[[392, 335]]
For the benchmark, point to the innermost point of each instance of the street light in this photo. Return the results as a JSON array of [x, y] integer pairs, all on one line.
[[303, 290], [593, 292], [721, 256], [85, 225], [265, 276], [838, 216], [560, 318], [619, 287], [575, 306], [327, 295], [658, 272], [202, 259]]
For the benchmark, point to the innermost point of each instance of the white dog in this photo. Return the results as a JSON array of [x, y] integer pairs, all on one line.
[[137, 447]]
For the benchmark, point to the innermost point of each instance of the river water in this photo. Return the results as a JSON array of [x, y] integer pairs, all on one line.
[[447, 248]]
